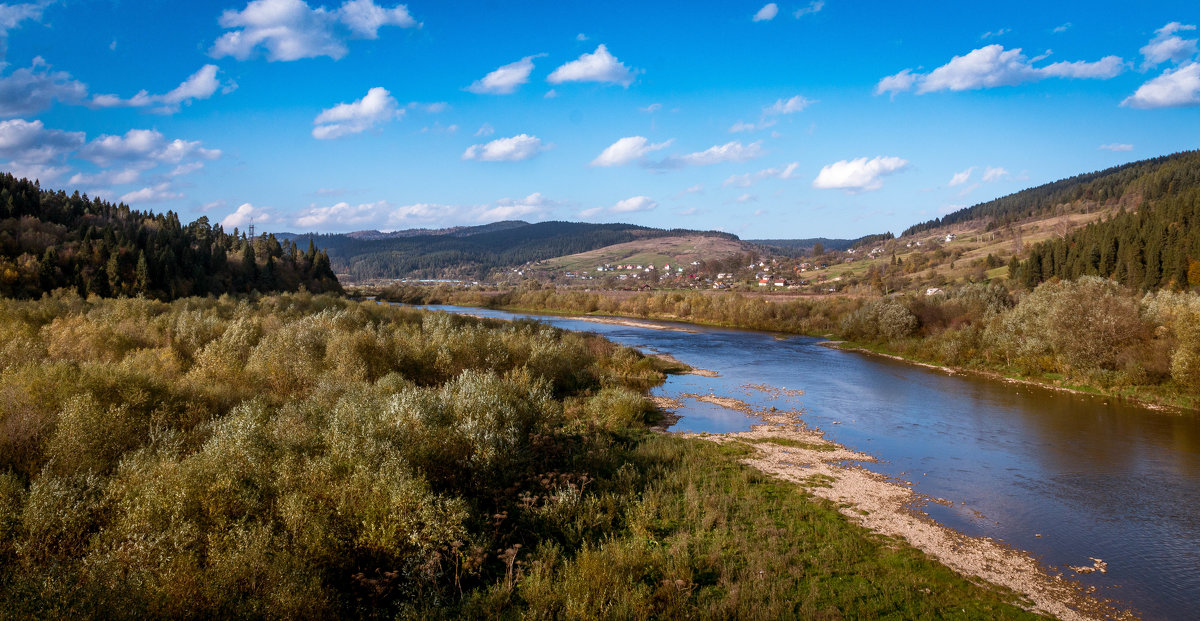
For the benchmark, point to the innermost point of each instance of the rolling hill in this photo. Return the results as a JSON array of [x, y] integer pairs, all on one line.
[[476, 252]]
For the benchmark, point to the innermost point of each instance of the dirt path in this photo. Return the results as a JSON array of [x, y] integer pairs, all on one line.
[[787, 449]]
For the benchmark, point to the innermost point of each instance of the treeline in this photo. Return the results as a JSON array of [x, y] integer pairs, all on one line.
[[1089, 332], [804, 247], [51, 240], [1158, 246], [1139, 182], [477, 255]]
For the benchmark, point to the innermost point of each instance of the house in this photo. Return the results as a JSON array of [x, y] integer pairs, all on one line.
[[950, 237]]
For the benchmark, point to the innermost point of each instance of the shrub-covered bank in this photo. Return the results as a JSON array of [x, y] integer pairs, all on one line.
[[1090, 334], [307, 456]]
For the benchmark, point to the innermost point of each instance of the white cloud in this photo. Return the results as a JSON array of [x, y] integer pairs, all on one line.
[[509, 209], [729, 152], [436, 107], [35, 152], [1116, 146], [588, 214], [581, 37], [29, 142], [291, 29], [550, 94], [898, 83], [652, 108], [506, 79], [485, 130], [813, 7], [514, 149], [154, 194], [11, 16], [1061, 29], [106, 177], [991, 66], [376, 107], [960, 178], [1173, 89], [767, 13], [599, 66], [795, 104], [695, 189], [143, 148], [858, 175], [749, 179], [636, 203], [245, 214], [991, 174], [996, 33], [626, 150], [746, 198], [364, 18], [1166, 45], [30, 90], [200, 85], [342, 215]]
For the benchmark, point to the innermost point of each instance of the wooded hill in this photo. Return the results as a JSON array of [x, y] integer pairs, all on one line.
[[1145, 180], [49, 239], [475, 255], [1157, 246]]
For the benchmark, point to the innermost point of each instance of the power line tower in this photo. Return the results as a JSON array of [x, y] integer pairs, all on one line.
[[251, 229]]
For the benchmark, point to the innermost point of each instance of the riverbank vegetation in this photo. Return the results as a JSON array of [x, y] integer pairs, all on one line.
[[1091, 333], [308, 456]]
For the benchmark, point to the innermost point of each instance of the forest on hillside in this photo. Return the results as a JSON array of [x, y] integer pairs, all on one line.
[[1144, 181], [51, 240], [474, 256]]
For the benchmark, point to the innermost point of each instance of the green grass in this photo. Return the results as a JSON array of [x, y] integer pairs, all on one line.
[[706, 537], [791, 443]]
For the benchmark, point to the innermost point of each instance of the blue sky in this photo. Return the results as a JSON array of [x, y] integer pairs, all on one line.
[[780, 120]]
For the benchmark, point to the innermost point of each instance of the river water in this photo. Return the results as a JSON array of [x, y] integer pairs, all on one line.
[[1064, 477]]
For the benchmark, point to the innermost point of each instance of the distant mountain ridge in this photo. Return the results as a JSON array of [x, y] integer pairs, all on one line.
[[475, 252]]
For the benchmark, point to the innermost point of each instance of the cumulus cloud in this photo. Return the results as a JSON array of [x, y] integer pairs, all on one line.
[[1175, 88], [1168, 46], [159, 193], [342, 215], [794, 104], [200, 85], [626, 150], [733, 151], [509, 208], [1116, 146], [742, 126], [506, 79], [992, 66], [632, 204], [514, 149], [143, 148], [749, 179], [375, 108], [30, 90], [813, 7], [767, 13], [991, 174], [291, 29], [960, 178], [12, 15], [36, 152], [858, 175], [599, 66], [245, 214]]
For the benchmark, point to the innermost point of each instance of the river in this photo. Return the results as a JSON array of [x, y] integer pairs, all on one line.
[[1065, 477]]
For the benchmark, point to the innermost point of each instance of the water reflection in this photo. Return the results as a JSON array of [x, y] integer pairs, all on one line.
[[1064, 476]]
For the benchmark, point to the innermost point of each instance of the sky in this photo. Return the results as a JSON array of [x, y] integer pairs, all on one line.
[[818, 118]]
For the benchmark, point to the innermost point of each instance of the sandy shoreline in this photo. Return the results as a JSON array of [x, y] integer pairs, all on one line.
[[787, 449], [632, 323]]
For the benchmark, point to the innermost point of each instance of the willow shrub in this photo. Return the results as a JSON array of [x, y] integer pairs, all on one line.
[[289, 456]]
